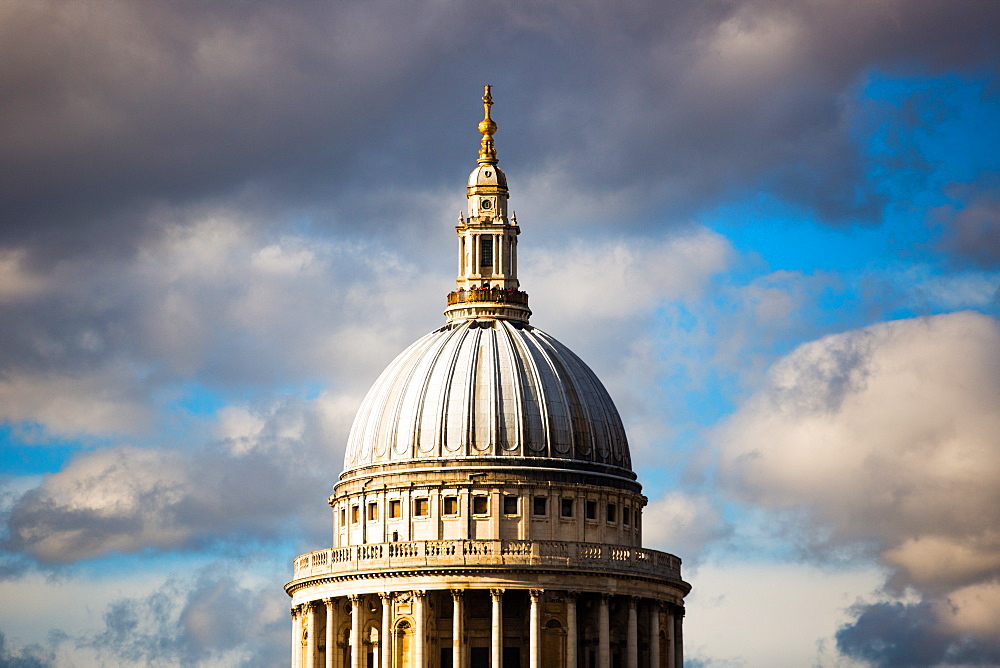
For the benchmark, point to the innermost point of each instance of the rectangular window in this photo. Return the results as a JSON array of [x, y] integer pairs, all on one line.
[[372, 511], [626, 515], [480, 505], [591, 510], [343, 516], [486, 251], [510, 505], [451, 505], [421, 507], [566, 507], [355, 514], [395, 509], [612, 512], [538, 507]]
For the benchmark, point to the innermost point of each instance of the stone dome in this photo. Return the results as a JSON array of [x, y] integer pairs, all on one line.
[[488, 393], [487, 176]]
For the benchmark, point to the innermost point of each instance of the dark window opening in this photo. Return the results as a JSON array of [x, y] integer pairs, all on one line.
[[566, 508], [539, 507], [372, 511], [612, 512], [510, 505], [421, 507], [486, 252], [395, 509], [480, 505], [451, 505], [591, 510], [626, 516]]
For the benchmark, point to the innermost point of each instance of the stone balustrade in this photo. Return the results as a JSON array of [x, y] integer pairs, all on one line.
[[496, 295], [504, 553]]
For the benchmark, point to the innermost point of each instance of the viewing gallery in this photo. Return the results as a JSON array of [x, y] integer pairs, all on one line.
[[488, 515]]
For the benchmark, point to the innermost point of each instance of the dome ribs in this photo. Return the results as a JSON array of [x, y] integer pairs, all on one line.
[[488, 390], [581, 401], [535, 409], [557, 411], [511, 421]]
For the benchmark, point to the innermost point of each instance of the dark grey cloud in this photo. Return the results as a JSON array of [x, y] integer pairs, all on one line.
[[111, 109], [972, 231], [895, 635]]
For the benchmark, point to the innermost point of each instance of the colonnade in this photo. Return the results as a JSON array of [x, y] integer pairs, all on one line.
[[399, 629]]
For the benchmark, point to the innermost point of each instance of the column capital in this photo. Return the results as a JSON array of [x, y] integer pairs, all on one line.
[[294, 610], [385, 596], [632, 601], [353, 598], [457, 594], [420, 593], [535, 594], [497, 594], [606, 597], [328, 600], [570, 593]]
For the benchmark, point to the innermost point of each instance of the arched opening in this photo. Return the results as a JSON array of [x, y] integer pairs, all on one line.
[[553, 643], [403, 647]]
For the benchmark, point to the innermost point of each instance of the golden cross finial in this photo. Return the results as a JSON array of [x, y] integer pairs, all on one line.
[[487, 153]]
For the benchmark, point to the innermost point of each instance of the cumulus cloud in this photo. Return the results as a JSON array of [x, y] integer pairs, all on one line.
[[685, 525], [884, 441], [599, 298], [211, 618], [268, 474]]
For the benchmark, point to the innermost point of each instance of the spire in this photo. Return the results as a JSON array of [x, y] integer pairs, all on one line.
[[487, 153], [487, 285]]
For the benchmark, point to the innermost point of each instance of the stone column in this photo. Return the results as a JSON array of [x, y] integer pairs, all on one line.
[[671, 641], [679, 634], [356, 648], [331, 641], [603, 632], [534, 646], [385, 636], [632, 649], [654, 635], [311, 643], [496, 629], [420, 632], [571, 631], [457, 628], [296, 637]]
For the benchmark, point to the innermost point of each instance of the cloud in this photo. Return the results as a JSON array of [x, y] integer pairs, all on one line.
[[291, 109], [27, 657], [883, 441], [211, 618], [685, 525], [252, 485]]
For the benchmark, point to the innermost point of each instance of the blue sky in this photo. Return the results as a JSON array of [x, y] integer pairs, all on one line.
[[781, 230]]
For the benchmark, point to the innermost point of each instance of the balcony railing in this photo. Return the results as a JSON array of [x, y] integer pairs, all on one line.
[[497, 295], [445, 553]]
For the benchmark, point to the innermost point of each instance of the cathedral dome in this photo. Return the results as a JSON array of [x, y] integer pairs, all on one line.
[[488, 393]]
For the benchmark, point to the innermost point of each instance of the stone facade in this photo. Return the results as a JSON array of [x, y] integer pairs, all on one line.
[[487, 516]]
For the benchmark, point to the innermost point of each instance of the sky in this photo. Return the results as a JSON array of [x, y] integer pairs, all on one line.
[[771, 228]]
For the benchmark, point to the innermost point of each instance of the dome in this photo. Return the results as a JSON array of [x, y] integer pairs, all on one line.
[[491, 393], [488, 176]]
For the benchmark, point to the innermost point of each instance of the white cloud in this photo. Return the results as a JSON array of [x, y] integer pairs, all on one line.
[[886, 439]]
